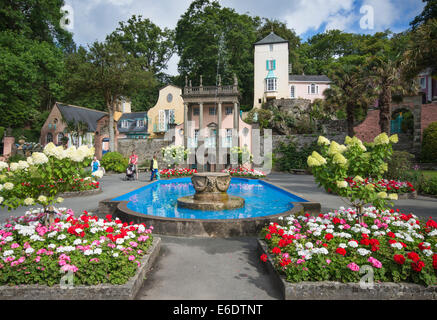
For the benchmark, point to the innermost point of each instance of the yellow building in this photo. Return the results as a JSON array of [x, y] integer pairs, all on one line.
[[169, 109]]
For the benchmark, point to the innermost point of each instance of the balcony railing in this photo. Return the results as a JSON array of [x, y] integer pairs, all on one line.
[[211, 90]]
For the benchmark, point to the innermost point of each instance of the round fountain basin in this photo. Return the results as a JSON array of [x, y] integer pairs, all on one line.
[[156, 204]]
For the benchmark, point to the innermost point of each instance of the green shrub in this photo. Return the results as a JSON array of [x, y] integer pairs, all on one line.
[[429, 186], [398, 165], [2, 132], [16, 157], [429, 143], [292, 158], [114, 161]]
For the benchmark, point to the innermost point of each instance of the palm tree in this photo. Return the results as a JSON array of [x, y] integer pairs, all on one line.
[[349, 91], [385, 75]]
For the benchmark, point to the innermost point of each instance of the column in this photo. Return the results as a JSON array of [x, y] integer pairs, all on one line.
[[236, 129], [186, 124], [200, 140], [218, 138]]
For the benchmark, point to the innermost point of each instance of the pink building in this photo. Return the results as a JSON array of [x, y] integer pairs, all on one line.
[[428, 86]]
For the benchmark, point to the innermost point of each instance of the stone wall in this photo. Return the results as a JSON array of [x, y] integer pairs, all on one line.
[[428, 115], [144, 148]]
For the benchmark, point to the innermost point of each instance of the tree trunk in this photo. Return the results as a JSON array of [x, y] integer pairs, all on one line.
[[111, 127], [350, 120], [384, 111]]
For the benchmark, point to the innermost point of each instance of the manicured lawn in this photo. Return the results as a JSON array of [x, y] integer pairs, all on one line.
[[427, 173]]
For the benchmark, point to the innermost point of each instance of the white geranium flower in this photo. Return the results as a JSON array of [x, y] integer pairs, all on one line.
[[61, 237], [88, 252], [29, 250], [8, 185], [115, 254], [3, 165], [97, 251], [77, 242]]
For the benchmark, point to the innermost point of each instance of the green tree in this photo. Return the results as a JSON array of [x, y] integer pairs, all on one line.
[[212, 40], [421, 51], [37, 20], [30, 73], [429, 12], [111, 72], [348, 91], [153, 47], [386, 77]]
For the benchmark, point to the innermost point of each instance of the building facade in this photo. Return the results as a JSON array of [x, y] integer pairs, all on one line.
[[273, 78], [168, 111]]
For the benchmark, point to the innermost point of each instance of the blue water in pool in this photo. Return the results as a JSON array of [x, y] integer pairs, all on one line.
[[160, 199]]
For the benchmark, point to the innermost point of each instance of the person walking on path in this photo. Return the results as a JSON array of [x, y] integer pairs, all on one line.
[[154, 168], [133, 159], [95, 165]]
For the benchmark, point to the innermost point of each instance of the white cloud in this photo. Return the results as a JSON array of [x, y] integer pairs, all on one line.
[[304, 15]]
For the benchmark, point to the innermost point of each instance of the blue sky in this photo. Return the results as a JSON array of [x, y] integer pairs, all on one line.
[[94, 19]]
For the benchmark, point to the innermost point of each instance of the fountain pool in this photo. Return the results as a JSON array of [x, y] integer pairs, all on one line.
[[156, 204]]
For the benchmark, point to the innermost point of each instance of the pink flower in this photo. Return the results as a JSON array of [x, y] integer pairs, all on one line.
[[37, 259], [143, 238], [353, 266], [133, 244], [14, 245], [95, 259], [69, 267], [21, 259], [299, 261], [375, 262], [41, 251], [111, 245], [328, 261], [9, 259], [285, 255], [131, 258]]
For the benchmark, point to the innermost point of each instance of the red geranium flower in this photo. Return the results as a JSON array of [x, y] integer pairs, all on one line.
[[413, 256], [399, 259], [329, 236], [417, 266], [268, 236], [276, 250], [263, 257], [341, 251]]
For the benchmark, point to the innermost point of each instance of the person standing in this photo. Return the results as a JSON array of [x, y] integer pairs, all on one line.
[[133, 159], [95, 165], [154, 168]]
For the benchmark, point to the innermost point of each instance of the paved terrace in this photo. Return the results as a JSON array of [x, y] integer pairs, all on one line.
[[199, 268]]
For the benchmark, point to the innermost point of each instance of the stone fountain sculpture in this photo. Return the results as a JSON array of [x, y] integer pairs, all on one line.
[[211, 193]]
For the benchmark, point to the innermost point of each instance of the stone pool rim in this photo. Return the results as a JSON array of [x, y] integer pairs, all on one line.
[[205, 227]]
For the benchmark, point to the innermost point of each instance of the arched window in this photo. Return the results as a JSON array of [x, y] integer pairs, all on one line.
[[292, 92], [49, 138], [59, 138]]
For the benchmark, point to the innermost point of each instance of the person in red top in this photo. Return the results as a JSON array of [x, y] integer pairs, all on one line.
[[133, 159]]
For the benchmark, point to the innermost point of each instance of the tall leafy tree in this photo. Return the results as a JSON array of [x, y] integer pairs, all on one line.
[[212, 40], [152, 47], [30, 72], [111, 72], [421, 51], [429, 12], [349, 92], [385, 75], [37, 20]]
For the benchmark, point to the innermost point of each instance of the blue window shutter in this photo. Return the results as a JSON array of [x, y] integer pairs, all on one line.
[[267, 65], [274, 65]]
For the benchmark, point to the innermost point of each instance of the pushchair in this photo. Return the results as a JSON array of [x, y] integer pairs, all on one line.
[[130, 172]]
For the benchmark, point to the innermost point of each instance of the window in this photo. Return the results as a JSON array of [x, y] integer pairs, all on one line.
[[228, 140], [271, 65], [140, 123], [124, 124], [271, 84], [196, 136], [228, 110], [292, 92], [271, 47], [196, 111], [313, 89], [60, 137], [212, 111], [422, 83], [49, 138]]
